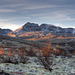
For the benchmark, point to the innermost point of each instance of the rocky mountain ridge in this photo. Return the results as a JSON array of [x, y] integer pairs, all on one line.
[[28, 27], [31, 30], [4, 32], [47, 27]]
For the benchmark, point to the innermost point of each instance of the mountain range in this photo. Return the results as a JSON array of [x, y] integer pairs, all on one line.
[[64, 37], [32, 31]]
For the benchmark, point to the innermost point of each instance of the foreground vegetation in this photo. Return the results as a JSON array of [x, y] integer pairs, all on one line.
[[15, 50], [45, 54]]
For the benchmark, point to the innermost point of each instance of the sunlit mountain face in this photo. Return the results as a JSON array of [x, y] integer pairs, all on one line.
[[32, 31]]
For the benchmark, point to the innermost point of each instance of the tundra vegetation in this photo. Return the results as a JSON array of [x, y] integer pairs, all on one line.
[[45, 54]]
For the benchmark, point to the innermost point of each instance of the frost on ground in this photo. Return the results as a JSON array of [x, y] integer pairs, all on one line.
[[62, 66]]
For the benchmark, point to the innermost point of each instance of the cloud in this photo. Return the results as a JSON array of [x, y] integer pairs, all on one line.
[[35, 7], [16, 18], [9, 26], [31, 5], [21, 11], [3, 20], [7, 10], [12, 5], [58, 15], [64, 25], [24, 6], [27, 4], [62, 16]]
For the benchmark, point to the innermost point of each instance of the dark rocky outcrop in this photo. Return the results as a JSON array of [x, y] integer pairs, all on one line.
[[31, 27]]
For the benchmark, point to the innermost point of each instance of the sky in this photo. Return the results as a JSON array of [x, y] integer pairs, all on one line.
[[15, 13]]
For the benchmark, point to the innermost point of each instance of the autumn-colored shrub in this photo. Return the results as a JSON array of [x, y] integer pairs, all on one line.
[[13, 56], [56, 51], [47, 57], [9, 52], [1, 50], [46, 50]]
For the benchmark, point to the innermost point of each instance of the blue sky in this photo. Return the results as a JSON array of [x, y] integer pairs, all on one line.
[[15, 13]]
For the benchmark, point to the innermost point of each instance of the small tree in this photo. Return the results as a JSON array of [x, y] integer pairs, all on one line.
[[47, 56]]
